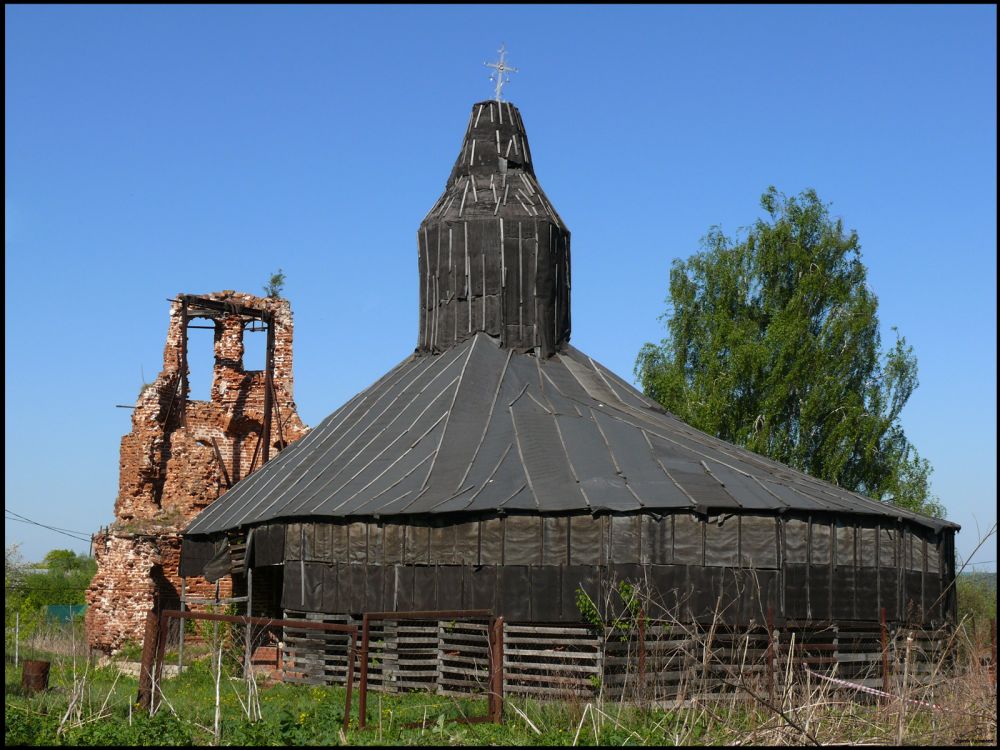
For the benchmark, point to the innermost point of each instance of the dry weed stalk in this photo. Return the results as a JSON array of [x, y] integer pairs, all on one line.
[[944, 692]]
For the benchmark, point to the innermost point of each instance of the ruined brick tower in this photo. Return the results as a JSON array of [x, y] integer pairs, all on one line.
[[181, 455]]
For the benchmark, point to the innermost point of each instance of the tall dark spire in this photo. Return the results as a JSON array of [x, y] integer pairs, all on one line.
[[493, 253]]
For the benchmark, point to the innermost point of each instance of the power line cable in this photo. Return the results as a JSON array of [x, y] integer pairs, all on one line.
[[57, 531], [19, 515], [78, 535]]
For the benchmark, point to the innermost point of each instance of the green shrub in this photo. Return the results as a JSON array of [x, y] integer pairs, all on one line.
[[977, 596], [257, 734], [131, 651], [22, 727]]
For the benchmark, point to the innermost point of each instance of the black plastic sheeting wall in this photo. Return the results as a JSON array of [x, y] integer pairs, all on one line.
[[548, 593], [728, 540], [530, 567], [526, 593], [198, 554]]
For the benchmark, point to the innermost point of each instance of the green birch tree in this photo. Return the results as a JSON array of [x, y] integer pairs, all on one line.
[[773, 344]]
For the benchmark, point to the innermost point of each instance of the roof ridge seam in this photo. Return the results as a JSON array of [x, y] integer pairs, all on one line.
[[388, 406], [374, 458], [298, 483], [451, 408], [382, 473], [489, 417]]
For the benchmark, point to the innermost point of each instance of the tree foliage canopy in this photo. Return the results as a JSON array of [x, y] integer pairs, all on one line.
[[61, 578], [773, 344]]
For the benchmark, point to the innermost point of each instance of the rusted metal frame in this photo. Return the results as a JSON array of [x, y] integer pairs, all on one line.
[[494, 713], [434, 614], [161, 648], [146, 663], [351, 630], [268, 621], [218, 455], [268, 386], [414, 615], [231, 308], [496, 671], [363, 681]]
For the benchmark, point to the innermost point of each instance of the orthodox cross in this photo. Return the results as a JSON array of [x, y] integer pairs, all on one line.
[[501, 69]]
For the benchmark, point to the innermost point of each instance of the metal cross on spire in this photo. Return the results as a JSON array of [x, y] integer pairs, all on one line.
[[501, 69]]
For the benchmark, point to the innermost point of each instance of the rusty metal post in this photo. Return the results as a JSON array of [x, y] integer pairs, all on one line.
[[363, 684], [642, 654], [352, 652], [496, 671], [149, 643], [350, 630], [885, 652], [161, 652], [161, 648], [491, 709], [770, 652], [494, 653], [491, 698]]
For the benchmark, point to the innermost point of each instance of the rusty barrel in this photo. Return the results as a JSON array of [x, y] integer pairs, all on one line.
[[35, 676]]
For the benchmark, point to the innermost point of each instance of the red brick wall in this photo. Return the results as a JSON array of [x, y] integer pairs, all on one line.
[[169, 471]]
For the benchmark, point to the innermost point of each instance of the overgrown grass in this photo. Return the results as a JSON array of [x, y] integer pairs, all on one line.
[[291, 715], [87, 705]]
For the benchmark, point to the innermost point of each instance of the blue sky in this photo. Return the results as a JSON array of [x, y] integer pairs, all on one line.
[[156, 150]]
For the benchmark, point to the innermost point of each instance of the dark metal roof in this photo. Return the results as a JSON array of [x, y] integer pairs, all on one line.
[[481, 429], [492, 253]]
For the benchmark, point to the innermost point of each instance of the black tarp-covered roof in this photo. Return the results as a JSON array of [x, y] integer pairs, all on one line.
[[492, 253], [481, 429], [496, 412]]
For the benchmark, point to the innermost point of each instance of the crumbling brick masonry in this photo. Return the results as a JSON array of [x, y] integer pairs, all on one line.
[[170, 467]]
